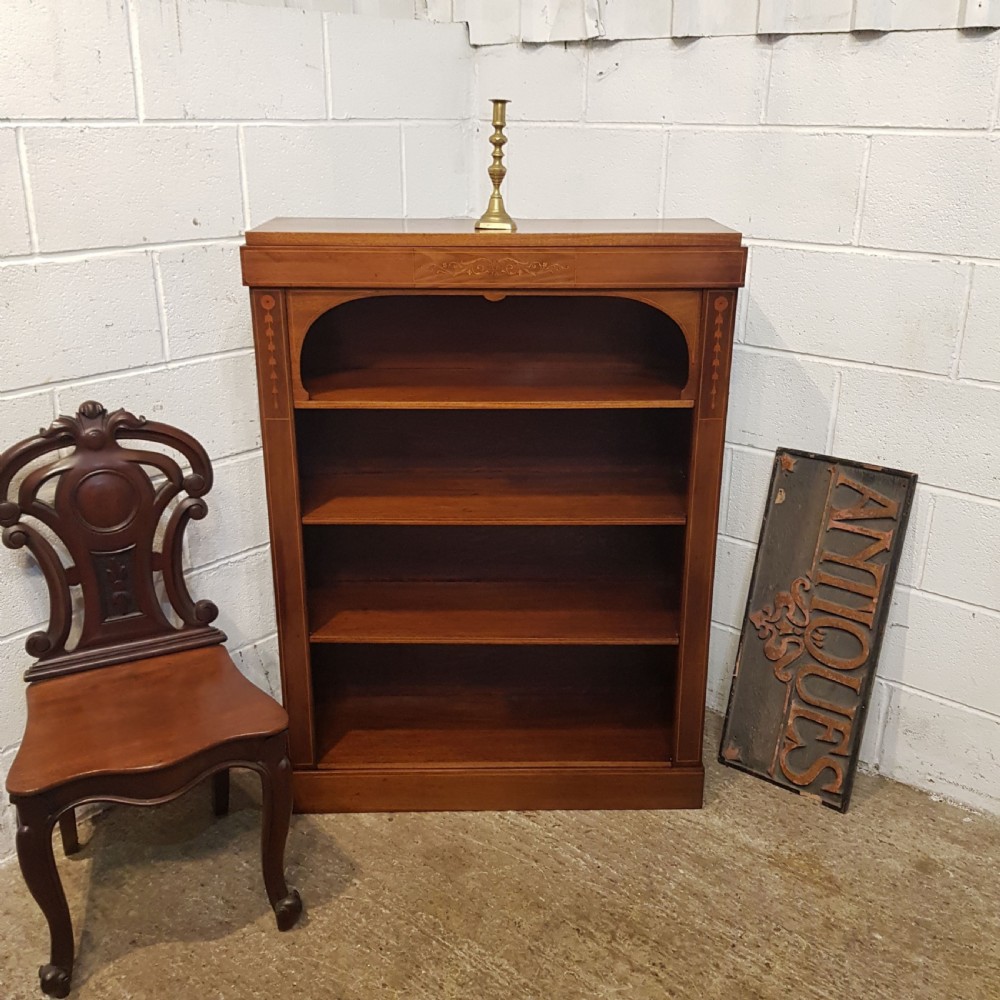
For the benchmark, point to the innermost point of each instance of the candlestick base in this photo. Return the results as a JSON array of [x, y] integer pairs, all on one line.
[[501, 225]]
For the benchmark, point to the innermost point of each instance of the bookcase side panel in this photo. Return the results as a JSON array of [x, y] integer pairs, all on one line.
[[281, 475], [718, 312]]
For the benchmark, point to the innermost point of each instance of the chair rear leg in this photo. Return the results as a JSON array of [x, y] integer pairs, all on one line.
[[38, 866], [220, 792], [68, 832], [276, 781]]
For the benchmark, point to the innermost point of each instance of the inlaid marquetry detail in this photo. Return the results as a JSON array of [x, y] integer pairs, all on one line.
[[721, 305], [501, 267], [267, 304], [270, 324], [466, 269]]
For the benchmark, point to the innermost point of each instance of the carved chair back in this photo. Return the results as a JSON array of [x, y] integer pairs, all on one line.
[[106, 510]]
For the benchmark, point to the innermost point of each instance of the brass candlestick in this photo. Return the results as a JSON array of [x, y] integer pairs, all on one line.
[[495, 218]]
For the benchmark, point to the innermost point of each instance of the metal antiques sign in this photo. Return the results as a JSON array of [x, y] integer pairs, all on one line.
[[829, 547]]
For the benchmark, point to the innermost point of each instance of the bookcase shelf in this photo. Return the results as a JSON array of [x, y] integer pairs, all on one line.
[[553, 386], [493, 470], [512, 612], [505, 496], [475, 707]]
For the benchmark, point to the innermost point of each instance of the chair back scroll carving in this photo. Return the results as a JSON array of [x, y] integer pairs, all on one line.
[[106, 511]]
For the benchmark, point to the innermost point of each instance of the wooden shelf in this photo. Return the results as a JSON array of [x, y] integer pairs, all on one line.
[[508, 384], [496, 496], [362, 732], [445, 706], [510, 612]]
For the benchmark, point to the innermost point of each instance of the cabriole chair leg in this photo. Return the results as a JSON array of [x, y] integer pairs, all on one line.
[[38, 866], [276, 782]]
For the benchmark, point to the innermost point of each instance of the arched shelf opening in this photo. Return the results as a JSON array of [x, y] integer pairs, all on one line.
[[464, 351]]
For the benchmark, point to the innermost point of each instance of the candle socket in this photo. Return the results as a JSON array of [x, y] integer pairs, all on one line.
[[495, 219]]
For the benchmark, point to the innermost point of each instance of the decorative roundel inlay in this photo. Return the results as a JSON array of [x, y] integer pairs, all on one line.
[[106, 501]]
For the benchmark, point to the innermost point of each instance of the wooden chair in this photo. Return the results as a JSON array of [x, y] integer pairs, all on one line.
[[167, 706]]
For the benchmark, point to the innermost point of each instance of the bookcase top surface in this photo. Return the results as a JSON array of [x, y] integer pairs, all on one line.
[[462, 232]]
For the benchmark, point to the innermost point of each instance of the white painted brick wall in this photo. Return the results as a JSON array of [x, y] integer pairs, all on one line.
[[819, 80], [934, 193], [542, 82], [859, 307], [868, 326], [980, 357], [666, 81], [13, 212], [746, 492], [65, 60], [398, 69], [947, 431], [942, 746], [919, 625], [734, 563], [438, 167], [123, 185], [780, 400], [324, 169], [963, 555], [205, 59], [767, 183], [204, 303], [565, 172], [112, 301], [236, 497]]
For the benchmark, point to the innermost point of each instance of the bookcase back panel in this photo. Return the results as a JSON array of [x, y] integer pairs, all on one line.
[[646, 555], [383, 440]]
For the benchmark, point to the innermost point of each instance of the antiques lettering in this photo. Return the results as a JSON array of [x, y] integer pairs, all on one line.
[[818, 634]]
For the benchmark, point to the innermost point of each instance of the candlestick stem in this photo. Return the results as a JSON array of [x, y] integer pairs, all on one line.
[[495, 218]]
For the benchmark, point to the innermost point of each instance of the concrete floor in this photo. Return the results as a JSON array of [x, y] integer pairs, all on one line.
[[759, 895]]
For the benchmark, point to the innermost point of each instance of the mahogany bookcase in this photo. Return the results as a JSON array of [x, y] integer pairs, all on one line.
[[493, 465]]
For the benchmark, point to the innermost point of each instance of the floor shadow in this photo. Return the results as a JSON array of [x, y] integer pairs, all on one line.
[[176, 872]]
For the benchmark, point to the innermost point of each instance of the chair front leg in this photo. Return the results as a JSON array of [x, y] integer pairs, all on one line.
[[276, 782], [38, 866]]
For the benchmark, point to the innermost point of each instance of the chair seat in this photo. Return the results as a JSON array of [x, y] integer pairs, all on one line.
[[137, 716]]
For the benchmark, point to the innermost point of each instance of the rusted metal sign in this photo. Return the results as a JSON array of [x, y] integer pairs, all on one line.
[[829, 547]]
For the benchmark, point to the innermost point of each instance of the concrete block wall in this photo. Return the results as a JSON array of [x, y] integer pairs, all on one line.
[[141, 139]]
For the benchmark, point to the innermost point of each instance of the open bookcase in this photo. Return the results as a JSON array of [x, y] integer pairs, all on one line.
[[493, 468]]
